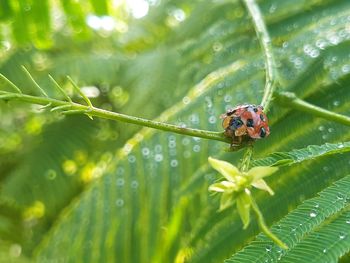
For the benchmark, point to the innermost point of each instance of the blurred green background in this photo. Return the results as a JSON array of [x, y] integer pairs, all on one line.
[[76, 190]]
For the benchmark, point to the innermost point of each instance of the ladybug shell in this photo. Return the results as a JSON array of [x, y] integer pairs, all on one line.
[[246, 120]]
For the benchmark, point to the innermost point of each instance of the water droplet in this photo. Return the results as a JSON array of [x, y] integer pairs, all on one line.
[[187, 154], [158, 157], [131, 159], [172, 144], [119, 202], [314, 53], [120, 182], [324, 250], [145, 151], [272, 8], [134, 184], [212, 119], [217, 46], [321, 43], [340, 197], [325, 168], [50, 174], [186, 141], [278, 228], [196, 148], [345, 69], [342, 235], [268, 248], [347, 221], [174, 163], [336, 103], [313, 213], [158, 148], [227, 98], [186, 100], [330, 130], [321, 128], [120, 170], [285, 44]]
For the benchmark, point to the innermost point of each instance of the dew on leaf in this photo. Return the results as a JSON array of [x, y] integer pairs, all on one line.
[[158, 148], [120, 170], [187, 154], [131, 159], [172, 144], [145, 151], [186, 141], [345, 68], [268, 248], [186, 100], [173, 163], [313, 213], [336, 103], [158, 157], [285, 44], [196, 148], [119, 202], [120, 182], [272, 8], [342, 235], [134, 184], [227, 98], [212, 119], [217, 46], [50, 174]]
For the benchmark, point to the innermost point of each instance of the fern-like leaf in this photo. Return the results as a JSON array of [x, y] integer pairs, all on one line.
[[317, 231]]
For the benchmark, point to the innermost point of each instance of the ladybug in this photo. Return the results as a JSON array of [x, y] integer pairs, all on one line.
[[245, 123]]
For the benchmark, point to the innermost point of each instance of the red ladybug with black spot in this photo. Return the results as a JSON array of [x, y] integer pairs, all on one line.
[[245, 123]]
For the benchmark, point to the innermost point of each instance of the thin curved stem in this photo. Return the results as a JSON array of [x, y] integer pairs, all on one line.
[[289, 99], [93, 111], [263, 226], [265, 43]]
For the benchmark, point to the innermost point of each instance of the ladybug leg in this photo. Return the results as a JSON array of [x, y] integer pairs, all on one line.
[[236, 141]]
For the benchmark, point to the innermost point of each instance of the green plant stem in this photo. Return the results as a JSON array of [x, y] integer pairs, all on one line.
[[92, 111], [289, 99], [244, 166], [265, 43], [263, 226]]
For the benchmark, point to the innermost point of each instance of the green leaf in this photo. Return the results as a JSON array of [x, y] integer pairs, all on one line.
[[318, 230], [243, 208], [309, 153]]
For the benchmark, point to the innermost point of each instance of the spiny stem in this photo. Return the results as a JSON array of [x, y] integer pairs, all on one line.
[[75, 86], [265, 43], [244, 166], [92, 111], [263, 226], [289, 99]]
